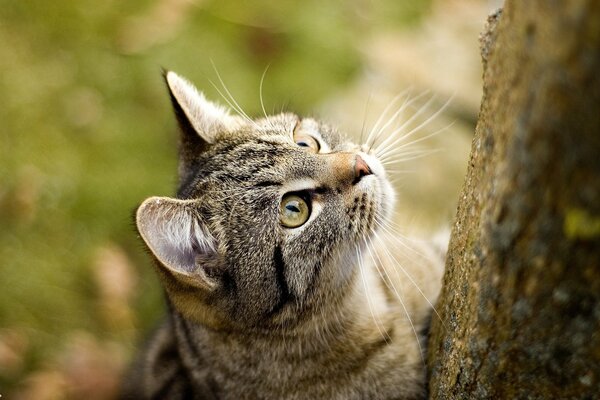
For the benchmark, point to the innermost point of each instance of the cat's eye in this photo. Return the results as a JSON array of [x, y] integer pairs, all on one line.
[[305, 140], [293, 210]]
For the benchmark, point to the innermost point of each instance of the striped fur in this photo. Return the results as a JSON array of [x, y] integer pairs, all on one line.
[[333, 309]]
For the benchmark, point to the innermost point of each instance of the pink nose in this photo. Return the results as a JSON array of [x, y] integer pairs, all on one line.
[[361, 168]]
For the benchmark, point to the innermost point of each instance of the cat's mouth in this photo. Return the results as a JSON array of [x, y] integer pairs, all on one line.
[[378, 186]]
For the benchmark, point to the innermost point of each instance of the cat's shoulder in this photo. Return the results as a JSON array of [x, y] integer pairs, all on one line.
[[158, 371]]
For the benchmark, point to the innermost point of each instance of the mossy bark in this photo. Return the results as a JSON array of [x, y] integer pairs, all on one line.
[[520, 305]]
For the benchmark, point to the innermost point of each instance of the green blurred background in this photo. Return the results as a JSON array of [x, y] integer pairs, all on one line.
[[87, 133]]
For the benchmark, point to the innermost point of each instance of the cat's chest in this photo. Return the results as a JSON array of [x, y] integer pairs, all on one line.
[[380, 369]]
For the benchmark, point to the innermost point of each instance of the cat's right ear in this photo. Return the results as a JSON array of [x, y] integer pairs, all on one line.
[[199, 119], [179, 239]]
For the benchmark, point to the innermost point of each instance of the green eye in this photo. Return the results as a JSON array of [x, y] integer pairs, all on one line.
[[293, 211]]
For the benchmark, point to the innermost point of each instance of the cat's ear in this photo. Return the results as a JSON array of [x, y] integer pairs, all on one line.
[[178, 238], [198, 117]]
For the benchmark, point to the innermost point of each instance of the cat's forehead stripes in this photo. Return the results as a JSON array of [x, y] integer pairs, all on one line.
[[271, 160]]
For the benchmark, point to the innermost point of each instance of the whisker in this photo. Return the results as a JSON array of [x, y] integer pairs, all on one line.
[[412, 131], [260, 92], [237, 108], [393, 231], [406, 272], [389, 121], [390, 285], [407, 103], [362, 128], [400, 171], [386, 143], [384, 336], [409, 156], [233, 107], [383, 114], [412, 143]]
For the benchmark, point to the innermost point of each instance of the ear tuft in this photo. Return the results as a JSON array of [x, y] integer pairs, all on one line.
[[205, 117], [175, 234]]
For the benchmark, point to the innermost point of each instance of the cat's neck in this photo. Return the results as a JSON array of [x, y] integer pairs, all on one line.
[[340, 339], [360, 316]]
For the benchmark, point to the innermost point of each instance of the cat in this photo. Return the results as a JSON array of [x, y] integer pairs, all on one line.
[[283, 278]]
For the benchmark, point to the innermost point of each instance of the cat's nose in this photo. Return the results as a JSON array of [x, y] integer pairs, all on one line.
[[346, 168], [361, 168]]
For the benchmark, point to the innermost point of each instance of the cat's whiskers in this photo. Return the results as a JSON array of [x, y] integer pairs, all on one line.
[[407, 156], [393, 233], [401, 241], [390, 154], [392, 137], [390, 146], [382, 332], [231, 100], [397, 172], [237, 106], [364, 123], [390, 120], [407, 103], [375, 127], [262, 103], [389, 283], [238, 110], [396, 181], [398, 150], [397, 263]]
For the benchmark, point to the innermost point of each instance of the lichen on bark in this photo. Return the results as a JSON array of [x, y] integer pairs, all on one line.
[[520, 305]]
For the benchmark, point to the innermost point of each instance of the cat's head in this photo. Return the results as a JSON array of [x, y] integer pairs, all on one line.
[[268, 217]]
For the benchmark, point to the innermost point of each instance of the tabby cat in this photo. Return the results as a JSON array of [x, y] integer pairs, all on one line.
[[282, 275]]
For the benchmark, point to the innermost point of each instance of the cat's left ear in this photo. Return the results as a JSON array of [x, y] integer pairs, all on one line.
[[194, 111], [179, 239]]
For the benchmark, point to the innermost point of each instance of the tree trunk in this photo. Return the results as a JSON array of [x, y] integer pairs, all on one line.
[[520, 305]]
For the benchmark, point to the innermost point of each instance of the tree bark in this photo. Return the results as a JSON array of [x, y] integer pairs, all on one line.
[[520, 304]]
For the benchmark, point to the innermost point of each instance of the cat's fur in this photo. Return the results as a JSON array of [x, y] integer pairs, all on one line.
[[333, 309]]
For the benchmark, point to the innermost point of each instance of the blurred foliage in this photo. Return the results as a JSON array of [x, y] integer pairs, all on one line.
[[87, 133]]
